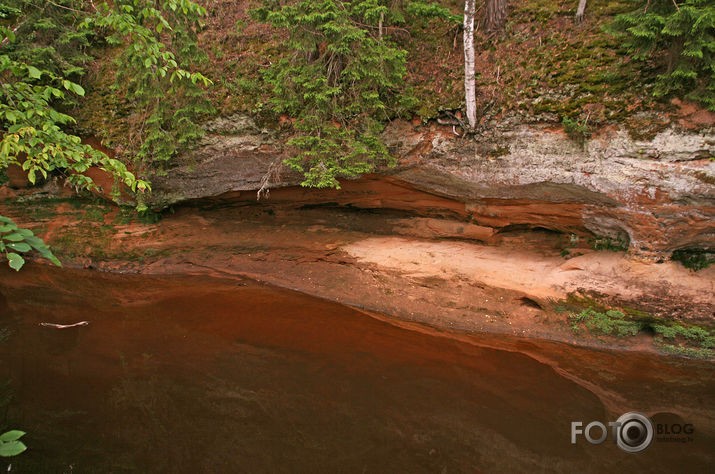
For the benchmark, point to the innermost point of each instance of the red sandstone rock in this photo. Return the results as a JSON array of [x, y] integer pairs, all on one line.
[[17, 177]]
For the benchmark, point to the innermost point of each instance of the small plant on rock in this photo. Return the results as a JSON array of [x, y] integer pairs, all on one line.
[[579, 131], [611, 322]]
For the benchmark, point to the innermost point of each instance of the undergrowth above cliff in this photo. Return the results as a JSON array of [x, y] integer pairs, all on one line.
[[542, 68], [344, 80]]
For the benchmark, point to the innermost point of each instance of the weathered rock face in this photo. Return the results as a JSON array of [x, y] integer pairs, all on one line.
[[658, 194], [234, 155]]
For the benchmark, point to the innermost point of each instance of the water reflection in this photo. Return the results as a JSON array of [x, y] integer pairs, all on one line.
[[193, 374]]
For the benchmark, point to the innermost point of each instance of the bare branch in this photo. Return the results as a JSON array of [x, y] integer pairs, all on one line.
[[272, 176]]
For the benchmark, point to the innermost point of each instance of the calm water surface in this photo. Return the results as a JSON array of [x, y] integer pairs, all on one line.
[[196, 374]]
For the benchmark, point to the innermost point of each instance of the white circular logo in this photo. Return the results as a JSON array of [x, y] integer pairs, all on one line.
[[635, 432]]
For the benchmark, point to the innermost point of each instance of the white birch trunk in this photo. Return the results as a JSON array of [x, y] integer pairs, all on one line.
[[470, 89], [379, 24], [580, 11]]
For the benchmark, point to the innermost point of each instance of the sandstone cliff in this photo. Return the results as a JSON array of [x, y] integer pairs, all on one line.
[[655, 195]]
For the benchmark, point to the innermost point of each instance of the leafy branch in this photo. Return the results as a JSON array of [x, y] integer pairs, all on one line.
[[15, 241], [33, 137]]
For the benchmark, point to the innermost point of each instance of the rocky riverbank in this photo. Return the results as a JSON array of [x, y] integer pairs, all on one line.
[[515, 230], [437, 271]]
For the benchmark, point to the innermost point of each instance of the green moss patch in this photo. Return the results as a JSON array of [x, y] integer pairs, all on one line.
[[668, 336], [611, 322]]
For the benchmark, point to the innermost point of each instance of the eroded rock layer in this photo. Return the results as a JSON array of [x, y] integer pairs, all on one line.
[[656, 195]]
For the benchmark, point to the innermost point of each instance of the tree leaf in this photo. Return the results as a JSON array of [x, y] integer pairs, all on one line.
[[13, 448], [15, 261], [33, 72], [77, 89], [14, 237], [13, 435], [54, 260], [20, 247], [34, 241]]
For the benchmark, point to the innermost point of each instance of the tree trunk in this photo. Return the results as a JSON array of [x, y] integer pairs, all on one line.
[[470, 88], [580, 11], [379, 24], [496, 15]]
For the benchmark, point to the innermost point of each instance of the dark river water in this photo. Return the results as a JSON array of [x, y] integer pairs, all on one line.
[[197, 374]]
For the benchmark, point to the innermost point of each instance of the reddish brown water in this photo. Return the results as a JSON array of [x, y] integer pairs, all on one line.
[[197, 374]]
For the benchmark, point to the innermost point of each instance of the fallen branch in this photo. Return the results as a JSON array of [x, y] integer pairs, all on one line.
[[64, 326]]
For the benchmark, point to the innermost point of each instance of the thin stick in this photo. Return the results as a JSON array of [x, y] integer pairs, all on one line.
[[66, 8], [7, 38], [64, 326]]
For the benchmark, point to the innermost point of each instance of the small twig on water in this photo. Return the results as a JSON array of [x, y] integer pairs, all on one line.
[[64, 326]]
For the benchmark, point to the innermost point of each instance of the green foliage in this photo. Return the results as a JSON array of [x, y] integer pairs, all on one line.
[[693, 258], [47, 38], [705, 338], [577, 131], [10, 444], [609, 244], [422, 10], [343, 82], [683, 34], [692, 352], [684, 338], [43, 45], [33, 137], [15, 241], [154, 71], [611, 322], [692, 341], [155, 45]]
